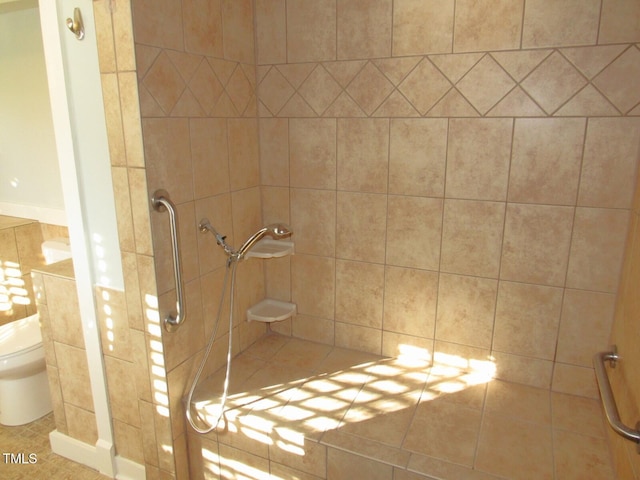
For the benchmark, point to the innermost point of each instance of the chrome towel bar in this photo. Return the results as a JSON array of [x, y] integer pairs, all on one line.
[[610, 409], [162, 202]]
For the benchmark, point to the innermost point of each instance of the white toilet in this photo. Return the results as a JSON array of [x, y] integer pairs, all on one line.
[[24, 387]]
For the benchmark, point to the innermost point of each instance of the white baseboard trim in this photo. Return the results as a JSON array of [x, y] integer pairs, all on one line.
[[129, 470], [86, 454], [52, 216]]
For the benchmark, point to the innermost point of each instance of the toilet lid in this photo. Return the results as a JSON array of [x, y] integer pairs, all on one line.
[[20, 335]]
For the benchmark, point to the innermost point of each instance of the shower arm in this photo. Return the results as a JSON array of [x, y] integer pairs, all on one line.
[[205, 226]]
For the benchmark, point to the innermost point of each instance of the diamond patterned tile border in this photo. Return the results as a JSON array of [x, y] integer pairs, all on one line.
[[553, 83], [619, 81], [581, 81], [187, 85], [485, 84]]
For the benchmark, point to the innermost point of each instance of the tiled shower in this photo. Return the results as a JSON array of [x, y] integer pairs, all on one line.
[[459, 176]]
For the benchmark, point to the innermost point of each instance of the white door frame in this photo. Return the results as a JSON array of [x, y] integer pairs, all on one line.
[[52, 26]]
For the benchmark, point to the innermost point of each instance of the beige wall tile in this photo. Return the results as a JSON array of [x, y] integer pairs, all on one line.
[[553, 83], [246, 214], [363, 28], [587, 318], [618, 21], [320, 89], [547, 23], [64, 311], [311, 30], [164, 83], [104, 35], [313, 219], [359, 293], [357, 337], [417, 156], [312, 147], [237, 25], [74, 376], [612, 81], [369, 89], [398, 345], [414, 227], [361, 226], [610, 160], [536, 244], [487, 25], [159, 27], [130, 108], [410, 298], [424, 86], [140, 210], [57, 401], [28, 239], [485, 84], [141, 365], [271, 31], [123, 36], [82, 424], [421, 27], [527, 319], [478, 158], [244, 155], [597, 249], [165, 142], [274, 151], [472, 237], [114, 326], [278, 279], [113, 118], [313, 285], [204, 34], [313, 328], [363, 155], [210, 154], [122, 395], [276, 205], [541, 146], [466, 309], [129, 441], [120, 179]]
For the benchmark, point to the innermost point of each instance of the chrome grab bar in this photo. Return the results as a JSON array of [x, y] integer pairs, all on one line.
[[160, 202], [610, 409]]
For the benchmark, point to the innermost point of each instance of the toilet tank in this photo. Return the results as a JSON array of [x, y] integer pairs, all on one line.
[[56, 250]]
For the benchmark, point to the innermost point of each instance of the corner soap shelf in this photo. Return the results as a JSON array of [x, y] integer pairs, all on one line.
[[269, 248], [269, 310]]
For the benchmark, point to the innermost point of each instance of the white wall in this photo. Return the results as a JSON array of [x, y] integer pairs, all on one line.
[[29, 175]]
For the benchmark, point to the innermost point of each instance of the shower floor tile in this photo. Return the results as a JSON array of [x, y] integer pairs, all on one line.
[[425, 421]]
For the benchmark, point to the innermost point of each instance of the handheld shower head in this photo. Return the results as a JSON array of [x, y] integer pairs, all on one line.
[[275, 230]]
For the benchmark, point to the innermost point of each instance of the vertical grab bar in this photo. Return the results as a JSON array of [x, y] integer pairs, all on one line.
[[160, 202], [608, 401]]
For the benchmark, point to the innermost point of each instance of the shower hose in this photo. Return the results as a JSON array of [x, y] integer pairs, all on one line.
[[232, 264]]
